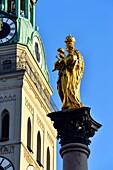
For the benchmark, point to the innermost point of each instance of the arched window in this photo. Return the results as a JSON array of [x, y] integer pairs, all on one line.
[[48, 159], [29, 134], [31, 12], [11, 6], [5, 118], [39, 148], [0, 2], [22, 8]]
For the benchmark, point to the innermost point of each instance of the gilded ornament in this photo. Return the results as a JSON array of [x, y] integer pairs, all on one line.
[[71, 68], [1, 24]]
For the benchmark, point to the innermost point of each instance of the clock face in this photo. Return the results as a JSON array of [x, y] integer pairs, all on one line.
[[30, 167], [37, 50], [5, 164], [7, 30]]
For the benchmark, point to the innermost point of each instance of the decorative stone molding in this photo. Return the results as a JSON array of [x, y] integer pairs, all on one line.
[[50, 139], [7, 57], [41, 125], [30, 160], [28, 157], [23, 63], [7, 149], [7, 98], [29, 106]]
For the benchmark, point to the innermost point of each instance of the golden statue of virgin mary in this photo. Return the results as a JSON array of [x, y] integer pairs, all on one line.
[[71, 68]]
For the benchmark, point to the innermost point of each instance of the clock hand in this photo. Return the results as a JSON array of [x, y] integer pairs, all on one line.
[[1, 24]]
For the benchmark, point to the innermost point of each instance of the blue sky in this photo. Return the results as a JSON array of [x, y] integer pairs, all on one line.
[[91, 23]]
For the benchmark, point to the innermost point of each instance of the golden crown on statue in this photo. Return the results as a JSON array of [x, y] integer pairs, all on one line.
[[70, 40]]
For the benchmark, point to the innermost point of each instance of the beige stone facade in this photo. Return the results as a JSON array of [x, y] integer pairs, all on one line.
[[25, 98]]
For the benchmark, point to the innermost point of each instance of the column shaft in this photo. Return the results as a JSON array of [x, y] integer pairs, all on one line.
[[75, 156]]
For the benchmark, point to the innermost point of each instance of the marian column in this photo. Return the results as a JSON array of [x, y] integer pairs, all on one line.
[[73, 123]]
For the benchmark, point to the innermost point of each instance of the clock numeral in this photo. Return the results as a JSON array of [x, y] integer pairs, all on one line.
[[11, 23], [7, 39], [1, 161], [8, 166], [13, 28], [7, 20], [11, 34]]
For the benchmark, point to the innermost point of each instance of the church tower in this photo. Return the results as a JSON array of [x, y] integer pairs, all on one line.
[[27, 136]]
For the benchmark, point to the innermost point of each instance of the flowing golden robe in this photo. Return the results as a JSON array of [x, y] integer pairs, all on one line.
[[68, 84]]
